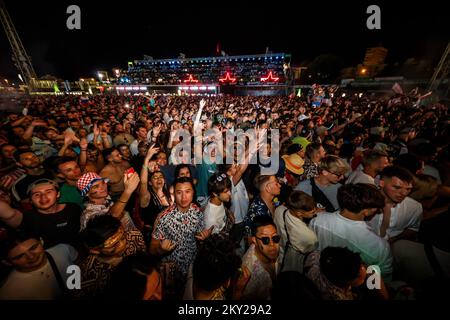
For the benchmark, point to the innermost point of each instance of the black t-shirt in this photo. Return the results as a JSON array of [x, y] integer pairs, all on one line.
[[21, 186], [60, 227]]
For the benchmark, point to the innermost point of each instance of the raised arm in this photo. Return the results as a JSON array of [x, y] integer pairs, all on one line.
[[144, 194], [131, 183]]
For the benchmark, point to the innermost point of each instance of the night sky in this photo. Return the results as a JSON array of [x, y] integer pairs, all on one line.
[[113, 33]]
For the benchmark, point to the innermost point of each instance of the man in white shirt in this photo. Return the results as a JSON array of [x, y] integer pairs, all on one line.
[[215, 213], [401, 215], [373, 163], [348, 228], [33, 276], [324, 188]]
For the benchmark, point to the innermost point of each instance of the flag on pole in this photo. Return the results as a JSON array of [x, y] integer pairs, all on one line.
[[397, 88]]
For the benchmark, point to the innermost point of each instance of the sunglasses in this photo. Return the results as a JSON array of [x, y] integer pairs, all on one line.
[[266, 240]]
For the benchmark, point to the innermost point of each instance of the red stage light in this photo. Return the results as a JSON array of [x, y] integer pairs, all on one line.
[[190, 79], [227, 78], [270, 78]]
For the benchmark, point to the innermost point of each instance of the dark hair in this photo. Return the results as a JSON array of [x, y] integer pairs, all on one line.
[[19, 152], [260, 180], [299, 200], [102, 121], [218, 183], [340, 265], [409, 162], [184, 180], [92, 147], [107, 152], [294, 148], [261, 221], [181, 166], [215, 263], [224, 167], [399, 172], [311, 148], [99, 229], [360, 196], [139, 126], [121, 145], [129, 279], [14, 237], [59, 161], [372, 156]]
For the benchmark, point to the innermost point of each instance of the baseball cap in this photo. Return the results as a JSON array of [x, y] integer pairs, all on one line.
[[84, 184], [39, 182]]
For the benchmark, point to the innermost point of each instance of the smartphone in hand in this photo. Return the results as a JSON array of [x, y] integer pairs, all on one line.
[[130, 172]]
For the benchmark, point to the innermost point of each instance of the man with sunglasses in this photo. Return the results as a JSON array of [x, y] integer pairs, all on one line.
[[261, 259], [324, 188]]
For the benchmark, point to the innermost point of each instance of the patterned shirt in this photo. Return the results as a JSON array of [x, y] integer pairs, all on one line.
[[311, 170], [260, 284], [95, 273], [181, 228], [257, 208], [328, 290], [93, 210], [9, 179]]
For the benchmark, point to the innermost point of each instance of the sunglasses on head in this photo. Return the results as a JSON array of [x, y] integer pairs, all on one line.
[[266, 240]]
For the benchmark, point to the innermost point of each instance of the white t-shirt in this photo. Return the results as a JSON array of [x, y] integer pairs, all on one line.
[[358, 176], [334, 230], [405, 215], [40, 284], [215, 216], [302, 238], [239, 201]]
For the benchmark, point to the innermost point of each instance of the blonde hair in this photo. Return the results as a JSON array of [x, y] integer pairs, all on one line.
[[334, 164]]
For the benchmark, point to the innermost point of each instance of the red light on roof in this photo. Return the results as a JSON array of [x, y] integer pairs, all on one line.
[[227, 78], [190, 79], [270, 78]]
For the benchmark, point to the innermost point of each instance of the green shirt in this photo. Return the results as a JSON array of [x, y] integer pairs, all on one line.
[[70, 194]]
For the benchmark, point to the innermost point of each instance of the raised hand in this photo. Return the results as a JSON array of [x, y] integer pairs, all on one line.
[[131, 183], [68, 138], [151, 152], [168, 245], [96, 130], [39, 123], [202, 103], [83, 144], [156, 130], [204, 234]]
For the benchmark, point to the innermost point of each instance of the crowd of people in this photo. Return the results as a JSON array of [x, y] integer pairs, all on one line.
[[358, 208]]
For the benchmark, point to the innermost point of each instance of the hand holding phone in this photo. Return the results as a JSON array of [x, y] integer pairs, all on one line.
[[130, 172]]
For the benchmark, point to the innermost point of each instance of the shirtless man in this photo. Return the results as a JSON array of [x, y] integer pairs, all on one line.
[[114, 171]]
